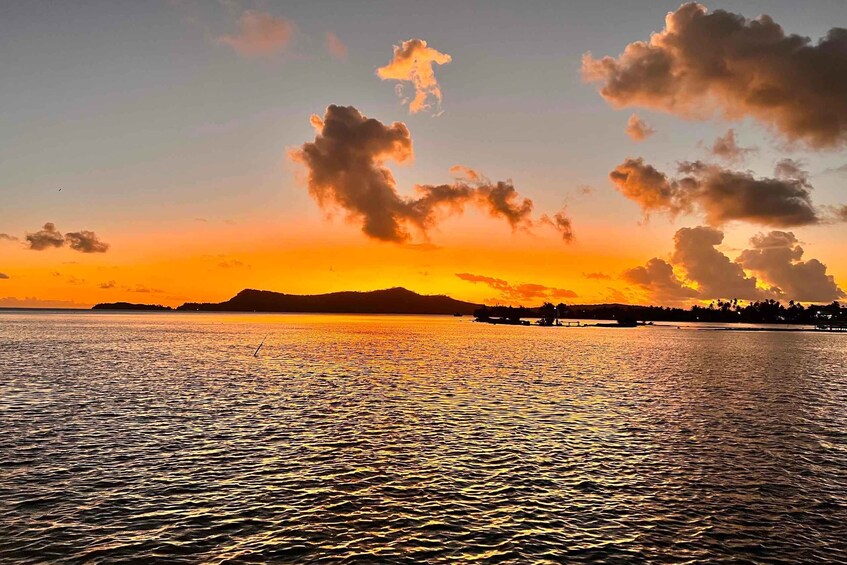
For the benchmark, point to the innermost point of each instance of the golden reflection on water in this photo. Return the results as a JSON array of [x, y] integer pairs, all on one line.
[[385, 438]]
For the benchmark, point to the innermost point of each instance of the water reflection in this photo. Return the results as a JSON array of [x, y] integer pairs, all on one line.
[[381, 438]]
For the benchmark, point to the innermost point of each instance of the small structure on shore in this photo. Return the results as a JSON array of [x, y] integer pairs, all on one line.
[[831, 327]]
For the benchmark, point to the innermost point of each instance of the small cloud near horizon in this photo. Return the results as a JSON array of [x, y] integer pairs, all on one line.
[[597, 276], [519, 292], [32, 302]]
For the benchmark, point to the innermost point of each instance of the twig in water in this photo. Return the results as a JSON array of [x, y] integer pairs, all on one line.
[[256, 354]]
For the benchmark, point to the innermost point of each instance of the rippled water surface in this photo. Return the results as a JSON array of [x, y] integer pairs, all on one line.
[[160, 437]]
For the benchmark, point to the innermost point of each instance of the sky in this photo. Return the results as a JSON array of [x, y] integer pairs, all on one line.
[[578, 152]]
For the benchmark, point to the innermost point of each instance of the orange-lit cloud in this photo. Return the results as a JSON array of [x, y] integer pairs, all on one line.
[[648, 187], [637, 129], [259, 34], [336, 47], [721, 194], [346, 168], [412, 62], [726, 147], [703, 63], [4, 276], [519, 292]]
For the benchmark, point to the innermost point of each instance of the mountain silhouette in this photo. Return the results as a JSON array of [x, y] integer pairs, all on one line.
[[389, 301]]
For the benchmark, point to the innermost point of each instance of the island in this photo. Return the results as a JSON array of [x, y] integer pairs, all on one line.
[[130, 306], [388, 301]]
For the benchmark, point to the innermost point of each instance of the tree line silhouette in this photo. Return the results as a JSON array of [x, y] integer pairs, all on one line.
[[723, 311]]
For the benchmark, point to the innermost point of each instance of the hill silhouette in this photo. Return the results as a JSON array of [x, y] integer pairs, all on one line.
[[389, 301], [129, 306]]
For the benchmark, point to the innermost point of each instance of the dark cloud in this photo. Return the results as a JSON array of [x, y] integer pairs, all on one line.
[[346, 168], [561, 223], [777, 258], [793, 170], [4, 276], [726, 147], [597, 276], [49, 237], [7, 237], [86, 242], [637, 129], [715, 274], [45, 238], [721, 194], [703, 63], [519, 292], [107, 285], [658, 279]]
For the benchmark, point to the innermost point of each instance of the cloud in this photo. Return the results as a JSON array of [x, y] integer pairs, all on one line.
[[839, 213], [336, 47], [726, 147], [561, 222], [462, 172], [141, 289], [259, 34], [32, 302], [412, 62], [721, 194], [4, 276], [597, 276], [346, 169], [637, 129], [705, 63], [45, 238], [837, 170], [233, 264], [648, 187], [7, 237], [107, 285], [658, 279], [86, 242], [715, 274], [519, 292], [777, 258]]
